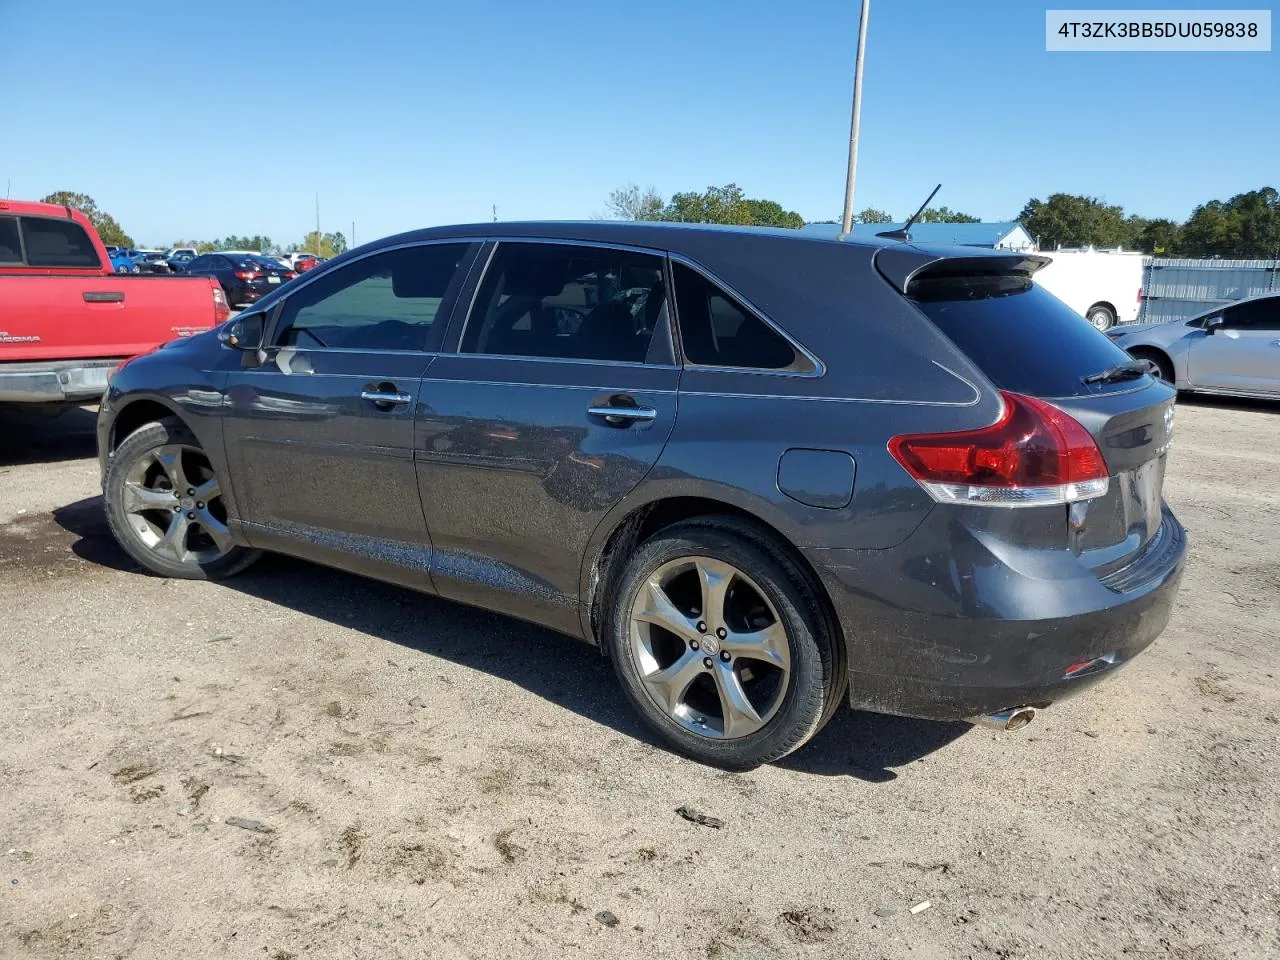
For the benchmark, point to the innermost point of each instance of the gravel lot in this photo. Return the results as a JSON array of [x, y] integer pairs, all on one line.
[[436, 781]]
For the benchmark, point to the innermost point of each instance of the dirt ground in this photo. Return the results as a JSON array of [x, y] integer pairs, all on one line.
[[417, 778]]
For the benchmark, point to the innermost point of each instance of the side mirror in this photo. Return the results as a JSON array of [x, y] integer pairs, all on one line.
[[1212, 324], [244, 332]]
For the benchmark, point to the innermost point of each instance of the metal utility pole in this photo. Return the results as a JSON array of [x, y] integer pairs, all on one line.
[[495, 213], [846, 224], [353, 233]]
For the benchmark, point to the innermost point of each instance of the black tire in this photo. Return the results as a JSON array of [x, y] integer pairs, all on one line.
[[138, 445], [231, 299], [1161, 364], [1101, 317], [816, 679]]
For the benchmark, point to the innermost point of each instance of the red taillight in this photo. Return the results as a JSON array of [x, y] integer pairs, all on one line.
[[1139, 294], [289, 274], [1034, 454], [246, 275], [221, 309]]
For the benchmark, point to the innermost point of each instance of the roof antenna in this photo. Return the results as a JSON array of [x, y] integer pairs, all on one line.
[[902, 234]]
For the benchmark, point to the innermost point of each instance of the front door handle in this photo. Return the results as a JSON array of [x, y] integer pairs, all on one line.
[[622, 416], [103, 296], [386, 399]]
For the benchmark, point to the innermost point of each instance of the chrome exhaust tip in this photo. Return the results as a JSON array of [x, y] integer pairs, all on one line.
[[1015, 718]]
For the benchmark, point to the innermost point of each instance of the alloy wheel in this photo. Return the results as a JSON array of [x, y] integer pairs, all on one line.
[[172, 502], [1153, 368], [710, 648]]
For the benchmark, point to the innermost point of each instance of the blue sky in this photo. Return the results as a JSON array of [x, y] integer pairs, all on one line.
[[196, 120]]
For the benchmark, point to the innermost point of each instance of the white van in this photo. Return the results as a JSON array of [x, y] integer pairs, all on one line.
[[1104, 287]]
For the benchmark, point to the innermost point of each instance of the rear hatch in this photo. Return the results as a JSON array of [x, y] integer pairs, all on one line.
[[1029, 343]]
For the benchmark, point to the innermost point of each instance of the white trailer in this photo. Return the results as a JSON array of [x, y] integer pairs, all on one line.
[[1104, 287]]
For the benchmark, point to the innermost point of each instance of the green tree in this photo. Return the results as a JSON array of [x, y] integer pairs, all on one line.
[[324, 245], [944, 215], [769, 213], [199, 246], [1072, 221], [872, 215], [256, 242], [1160, 237], [728, 204], [108, 229], [1246, 226], [632, 203]]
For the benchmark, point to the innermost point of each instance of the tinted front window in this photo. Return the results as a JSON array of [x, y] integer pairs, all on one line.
[[57, 243], [716, 330], [569, 302], [384, 302], [1255, 315], [1020, 335], [10, 249]]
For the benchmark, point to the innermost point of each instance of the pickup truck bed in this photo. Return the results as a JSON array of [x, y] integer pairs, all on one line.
[[65, 324]]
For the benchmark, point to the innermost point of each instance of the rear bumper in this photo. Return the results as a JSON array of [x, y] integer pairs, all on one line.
[[57, 381], [991, 651]]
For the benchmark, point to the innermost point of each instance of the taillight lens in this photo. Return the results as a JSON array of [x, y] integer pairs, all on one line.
[[246, 275], [1034, 454], [221, 309], [289, 274]]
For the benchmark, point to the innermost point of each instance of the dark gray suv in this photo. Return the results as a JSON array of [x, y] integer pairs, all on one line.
[[760, 471]]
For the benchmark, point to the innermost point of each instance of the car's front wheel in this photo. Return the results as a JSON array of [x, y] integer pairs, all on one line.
[[164, 505], [719, 646]]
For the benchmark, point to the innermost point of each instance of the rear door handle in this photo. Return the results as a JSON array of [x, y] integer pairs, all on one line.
[[1275, 343], [386, 399], [622, 416], [103, 296]]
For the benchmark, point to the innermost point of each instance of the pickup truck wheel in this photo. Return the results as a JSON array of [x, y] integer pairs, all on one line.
[[164, 506], [1101, 317]]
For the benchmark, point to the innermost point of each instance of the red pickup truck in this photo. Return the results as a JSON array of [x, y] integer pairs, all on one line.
[[67, 320]]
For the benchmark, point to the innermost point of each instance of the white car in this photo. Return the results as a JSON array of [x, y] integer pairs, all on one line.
[[1232, 350]]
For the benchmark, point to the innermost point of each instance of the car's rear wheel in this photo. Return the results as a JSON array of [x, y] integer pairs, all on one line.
[[719, 647], [164, 505], [1101, 317], [232, 299]]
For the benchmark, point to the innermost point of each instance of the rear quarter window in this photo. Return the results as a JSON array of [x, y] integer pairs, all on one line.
[[1017, 333]]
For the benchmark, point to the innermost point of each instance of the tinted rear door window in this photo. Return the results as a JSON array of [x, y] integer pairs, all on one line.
[[1020, 335], [568, 302], [57, 243], [10, 249]]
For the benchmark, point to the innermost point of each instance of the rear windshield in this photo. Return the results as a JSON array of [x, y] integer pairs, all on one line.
[[1021, 336]]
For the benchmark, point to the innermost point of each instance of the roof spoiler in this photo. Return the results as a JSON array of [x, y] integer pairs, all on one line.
[[902, 264]]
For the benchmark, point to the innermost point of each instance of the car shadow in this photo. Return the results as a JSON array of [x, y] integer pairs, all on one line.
[[549, 665], [46, 434], [1244, 404]]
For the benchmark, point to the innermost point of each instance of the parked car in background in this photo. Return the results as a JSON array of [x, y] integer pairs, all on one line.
[[68, 318], [244, 277], [1104, 287], [905, 475], [297, 255], [308, 262], [1232, 350], [121, 262], [179, 258], [148, 261]]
